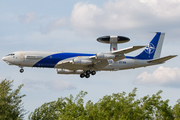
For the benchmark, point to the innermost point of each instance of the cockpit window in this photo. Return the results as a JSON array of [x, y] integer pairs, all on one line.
[[11, 54]]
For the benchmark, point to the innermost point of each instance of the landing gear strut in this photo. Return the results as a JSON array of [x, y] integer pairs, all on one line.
[[87, 74]]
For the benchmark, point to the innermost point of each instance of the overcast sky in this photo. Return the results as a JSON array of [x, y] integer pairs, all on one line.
[[74, 26]]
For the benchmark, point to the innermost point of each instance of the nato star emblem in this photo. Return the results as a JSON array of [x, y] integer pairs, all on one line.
[[150, 49]]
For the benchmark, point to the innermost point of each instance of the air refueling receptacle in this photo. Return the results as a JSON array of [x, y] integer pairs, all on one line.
[[113, 41]]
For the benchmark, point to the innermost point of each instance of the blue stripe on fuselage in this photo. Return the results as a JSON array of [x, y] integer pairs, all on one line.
[[51, 60], [129, 57]]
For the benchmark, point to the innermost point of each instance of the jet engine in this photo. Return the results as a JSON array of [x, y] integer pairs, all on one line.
[[80, 61], [105, 56], [66, 71]]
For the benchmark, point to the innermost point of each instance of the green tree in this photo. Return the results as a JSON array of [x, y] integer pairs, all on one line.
[[64, 108], [177, 110], [111, 107], [10, 102], [119, 106]]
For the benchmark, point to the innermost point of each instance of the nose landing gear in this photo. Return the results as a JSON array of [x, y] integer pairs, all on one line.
[[21, 70], [87, 74]]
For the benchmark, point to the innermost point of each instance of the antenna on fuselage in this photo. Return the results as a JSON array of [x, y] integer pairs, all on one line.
[[113, 41]]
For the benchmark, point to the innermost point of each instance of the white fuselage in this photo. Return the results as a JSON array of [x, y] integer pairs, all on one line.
[[50, 60]]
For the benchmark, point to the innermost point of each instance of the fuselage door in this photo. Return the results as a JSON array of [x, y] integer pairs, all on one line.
[[22, 56], [136, 61]]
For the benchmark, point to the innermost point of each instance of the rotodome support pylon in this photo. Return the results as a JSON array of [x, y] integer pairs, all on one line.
[[113, 41]]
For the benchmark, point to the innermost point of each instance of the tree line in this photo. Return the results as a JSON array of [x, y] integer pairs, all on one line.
[[118, 106]]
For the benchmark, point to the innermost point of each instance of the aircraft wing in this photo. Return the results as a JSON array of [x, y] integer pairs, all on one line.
[[128, 50], [97, 62], [63, 64], [162, 60]]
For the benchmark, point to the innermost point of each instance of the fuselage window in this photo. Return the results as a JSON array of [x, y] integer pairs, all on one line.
[[11, 54]]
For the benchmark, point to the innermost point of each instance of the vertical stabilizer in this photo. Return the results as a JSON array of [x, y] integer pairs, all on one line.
[[153, 50]]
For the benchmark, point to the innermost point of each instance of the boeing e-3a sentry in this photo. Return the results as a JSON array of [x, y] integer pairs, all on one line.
[[87, 64]]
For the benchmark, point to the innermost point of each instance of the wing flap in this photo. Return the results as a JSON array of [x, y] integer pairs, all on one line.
[[128, 50], [163, 59], [101, 64]]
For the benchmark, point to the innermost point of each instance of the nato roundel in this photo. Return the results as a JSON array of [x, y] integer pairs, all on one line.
[[106, 39], [150, 48]]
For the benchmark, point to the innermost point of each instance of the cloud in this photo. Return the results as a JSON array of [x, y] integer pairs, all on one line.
[[160, 8], [114, 17], [27, 18], [83, 15], [56, 85], [57, 23], [125, 15], [47, 24], [54, 25], [163, 76]]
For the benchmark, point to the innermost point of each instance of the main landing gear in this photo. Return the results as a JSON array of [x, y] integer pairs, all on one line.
[[87, 74]]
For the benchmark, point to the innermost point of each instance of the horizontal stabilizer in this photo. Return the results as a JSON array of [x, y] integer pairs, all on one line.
[[128, 50], [163, 59]]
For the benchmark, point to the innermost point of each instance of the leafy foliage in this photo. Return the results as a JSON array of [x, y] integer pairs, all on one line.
[[177, 110], [110, 107], [10, 102]]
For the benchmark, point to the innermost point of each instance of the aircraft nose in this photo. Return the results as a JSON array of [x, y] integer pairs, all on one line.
[[4, 58]]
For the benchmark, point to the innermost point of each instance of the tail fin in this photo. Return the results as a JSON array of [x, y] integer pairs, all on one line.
[[153, 50]]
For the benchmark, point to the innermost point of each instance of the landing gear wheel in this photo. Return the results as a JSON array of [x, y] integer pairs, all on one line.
[[82, 75], [88, 72], [21, 70], [87, 75], [93, 72]]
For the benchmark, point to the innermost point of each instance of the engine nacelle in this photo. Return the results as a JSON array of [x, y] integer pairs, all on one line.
[[105, 56], [79, 61], [66, 71]]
